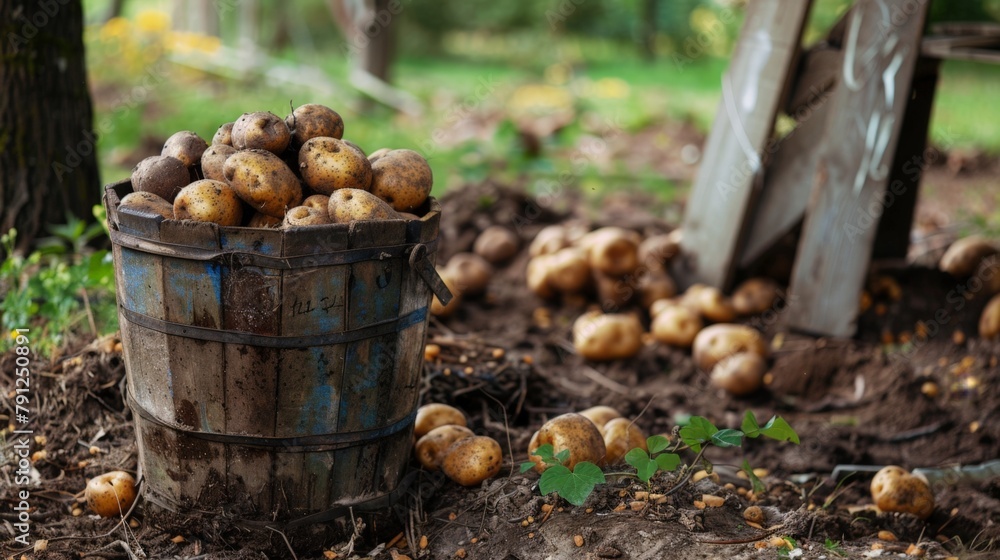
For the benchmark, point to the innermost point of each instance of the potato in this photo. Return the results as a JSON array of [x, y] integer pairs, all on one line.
[[439, 309], [755, 296], [676, 325], [719, 341], [657, 250], [607, 337], [259, 220], [403, 179], [569, 431], [264, 181], [611, 250], [713, 305], [408, 216], [470, 461], [537, 276], [470, 272], [185, 146], [348, 205], [223, 136], [989, 321], [262, 130], [328, 164], [163, 176], [568, 271], [613, 292], [214, 159], [964, 255], [661, 305], [435, 415], [209, 201], [377, 154], [497, 244], [549, 240], [620, 437], [356, 148], [739, 374], [320, 201], [111, 494], [430, 449], [148, 202], [895, 489], [312, 121], [305, 216], [655, 285], [600, 415]]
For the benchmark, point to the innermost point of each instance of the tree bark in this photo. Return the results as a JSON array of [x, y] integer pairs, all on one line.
[[48, 163]]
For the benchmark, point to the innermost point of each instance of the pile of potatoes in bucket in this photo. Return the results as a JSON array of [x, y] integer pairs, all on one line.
[[620, 267], [468, 274], [265, 171], [598, 434], [444, 442], [976, 261]]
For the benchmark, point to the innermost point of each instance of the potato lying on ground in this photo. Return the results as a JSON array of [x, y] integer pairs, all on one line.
[[568, 271], [430, 449], [263, 181], [439, 309], [328, 164], [611, 250], [895, 489], [654, 286], [435, 415], [963, 256], [403, 179], [713, 305], [497, 244], [739, 374], [657, 250], [259, 220], [569, 431], [676, 325], [620, 437], [163, 176], [613, 292], [549, 240], [755, 296], [214, 160], [348, 205], [469, 461], [185, 146], [313, 120], [111, 494], [148, 202], [305, 216], [261, 130], [318, 201], [989, 321], [470, 272], [537, 277], [601, 337], [600, 415], [209, 201], [716, 342]]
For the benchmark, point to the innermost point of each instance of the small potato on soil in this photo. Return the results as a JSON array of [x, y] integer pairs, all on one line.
[[148, 202], [305, 216], [402, 178], [569, 431], [163, 176], [470, 461], [348, 205], [111, 494], [676, 325], [537, 277], [214, 160], [313, 120], [470, 272], [601, 337], [549, 240], [657, 250], [209, 201], [654, 286], [430, 449], [989, 321], [497, 244], [612, 250], [754, 296], [435, 415], [264, 181], [439, 309], [895, 489], [716, 342], [713, 305], [739, 374], [224, 135], [620, 437], [185, 146], [963, 256], [568, 271], [600, 415], [328, 164], [261, 130]]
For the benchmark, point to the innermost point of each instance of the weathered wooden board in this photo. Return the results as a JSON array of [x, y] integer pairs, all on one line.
[[752, 91], [880, 52]]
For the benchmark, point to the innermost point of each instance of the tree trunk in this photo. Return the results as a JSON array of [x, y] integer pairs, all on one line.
[[48, 163]]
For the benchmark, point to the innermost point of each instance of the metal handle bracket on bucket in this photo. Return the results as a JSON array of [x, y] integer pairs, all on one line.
[[420, 263]]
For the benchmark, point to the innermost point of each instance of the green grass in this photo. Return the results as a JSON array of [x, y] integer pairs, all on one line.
[[966, 114]]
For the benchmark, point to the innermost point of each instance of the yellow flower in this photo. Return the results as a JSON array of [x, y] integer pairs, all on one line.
[[152, 21], [115, 28]]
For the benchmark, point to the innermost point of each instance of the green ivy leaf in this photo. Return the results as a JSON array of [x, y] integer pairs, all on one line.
[[656, 444], [777, 428], [755, 482], [544, 451], [699, 431], [562, 457], [574, 486], [750, 426], [668, 461], [525, 467], [728, 438], [645, 468]]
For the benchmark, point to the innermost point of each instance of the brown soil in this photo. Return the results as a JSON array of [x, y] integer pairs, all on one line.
[[507, 361]]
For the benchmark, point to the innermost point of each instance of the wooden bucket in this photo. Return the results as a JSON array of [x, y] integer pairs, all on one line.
[[273, 373]]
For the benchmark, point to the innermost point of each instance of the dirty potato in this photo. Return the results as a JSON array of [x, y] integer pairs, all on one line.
[[963, 256], [185, 146], [434, 415], [600, 415], [377, 154], [403, 179], [348, 205], [739, 374], [549, 240], [439, 309], [111, 494], [537, 277], [568, 271], [654, 286], [430, 449], [620, 437], [262, 130], [569, 431], [312, 121], [712, 304], [755, 296], [470, 461], [319, 201], [989, 321], [716, 342], [895, 489], [163, 176], [264, 181], [214, 159], [328, 164], [209, 201], [497, 244], [470, 272], [601, 337], [612, 250], [258, 220], [676, 325], [305, 216], [224, 135], [148, 202], [658, 250]]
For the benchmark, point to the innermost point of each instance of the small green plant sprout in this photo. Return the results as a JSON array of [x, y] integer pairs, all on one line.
[[576, 485], [646, 464], [790, 548], [834, 547]]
